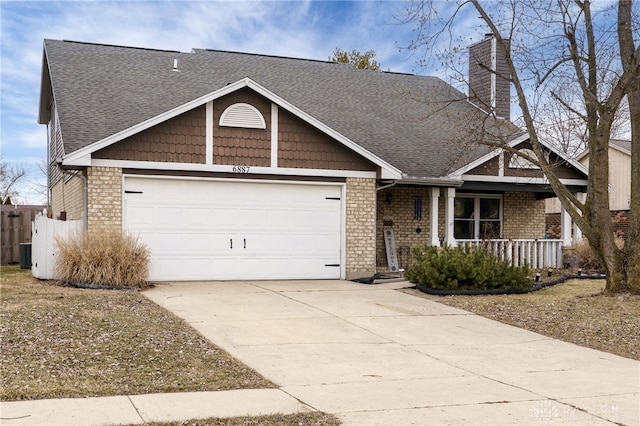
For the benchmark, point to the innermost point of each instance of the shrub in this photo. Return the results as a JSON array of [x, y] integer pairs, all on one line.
[[109, 258], [587, 259], [466, 268]]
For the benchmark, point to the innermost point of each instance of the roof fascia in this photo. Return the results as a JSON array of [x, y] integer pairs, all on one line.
[[612, 145], [619, 148], [46, 90], [388, 171], [513, 143], [472, 165]]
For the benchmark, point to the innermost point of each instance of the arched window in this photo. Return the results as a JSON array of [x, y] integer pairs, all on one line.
[[242, 115]]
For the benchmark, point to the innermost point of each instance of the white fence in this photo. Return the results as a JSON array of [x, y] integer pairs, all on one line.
[[44, 251], [541, 253]]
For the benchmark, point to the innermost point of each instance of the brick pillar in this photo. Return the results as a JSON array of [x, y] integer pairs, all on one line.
[[104, 199], [361, 227]]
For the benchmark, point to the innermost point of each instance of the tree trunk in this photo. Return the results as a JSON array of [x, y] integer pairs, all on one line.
[[630, 58]]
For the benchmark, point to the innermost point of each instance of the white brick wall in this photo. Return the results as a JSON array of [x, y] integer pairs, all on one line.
[[360, 224], [104, 198]]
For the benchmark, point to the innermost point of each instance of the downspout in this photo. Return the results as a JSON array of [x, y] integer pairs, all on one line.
[[380, 188], [78, 174], [48, 163]]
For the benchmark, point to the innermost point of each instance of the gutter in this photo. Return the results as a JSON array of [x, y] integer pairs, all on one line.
[[430, 181], [423, 181]]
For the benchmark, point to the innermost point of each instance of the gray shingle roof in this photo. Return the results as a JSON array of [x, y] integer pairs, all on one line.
[[421, 125], [624, 144]]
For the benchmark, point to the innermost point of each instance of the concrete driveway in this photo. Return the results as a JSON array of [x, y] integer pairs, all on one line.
[[375, 356]]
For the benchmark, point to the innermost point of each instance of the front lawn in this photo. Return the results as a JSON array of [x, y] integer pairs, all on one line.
[[67, 342]]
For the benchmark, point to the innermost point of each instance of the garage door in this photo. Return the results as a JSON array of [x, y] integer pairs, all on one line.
[[233, 230]]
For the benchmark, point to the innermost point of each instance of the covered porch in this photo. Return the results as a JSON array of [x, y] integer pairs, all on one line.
[[509, 220]]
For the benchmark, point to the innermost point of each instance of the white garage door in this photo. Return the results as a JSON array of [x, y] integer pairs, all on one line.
[[232, 230]]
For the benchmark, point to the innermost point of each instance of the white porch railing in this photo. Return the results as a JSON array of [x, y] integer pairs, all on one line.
[[536, 253]]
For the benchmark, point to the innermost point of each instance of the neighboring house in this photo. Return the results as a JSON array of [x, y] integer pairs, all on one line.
[[619, 190], [243, 166]]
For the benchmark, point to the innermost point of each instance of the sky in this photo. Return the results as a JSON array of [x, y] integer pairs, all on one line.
[[301, 29]]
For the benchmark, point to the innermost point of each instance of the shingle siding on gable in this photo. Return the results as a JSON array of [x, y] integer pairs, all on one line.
[[183, 140], [178, 140], [302, 146], [238, 146]]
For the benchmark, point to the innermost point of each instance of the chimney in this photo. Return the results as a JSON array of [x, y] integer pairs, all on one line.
[[489, 86]]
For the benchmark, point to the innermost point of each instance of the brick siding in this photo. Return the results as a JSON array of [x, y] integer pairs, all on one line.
[[104, 198], [360, 224], [397, 213], [523, 216], [620, 223]]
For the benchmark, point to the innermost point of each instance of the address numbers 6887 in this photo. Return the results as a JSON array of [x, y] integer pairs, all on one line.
[[241, 169]]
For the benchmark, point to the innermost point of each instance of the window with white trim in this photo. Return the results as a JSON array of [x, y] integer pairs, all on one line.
[[477, 217]]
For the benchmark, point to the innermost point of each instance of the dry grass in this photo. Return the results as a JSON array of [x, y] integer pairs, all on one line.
[[303, 419], [108, 258], [575, 311], [67, 342]]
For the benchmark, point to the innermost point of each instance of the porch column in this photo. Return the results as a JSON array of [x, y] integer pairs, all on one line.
[[577, 232], [450, 194], [435, 196], [565, 227]]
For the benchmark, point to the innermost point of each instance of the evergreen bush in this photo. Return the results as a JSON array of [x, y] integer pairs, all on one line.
[[466, 268]]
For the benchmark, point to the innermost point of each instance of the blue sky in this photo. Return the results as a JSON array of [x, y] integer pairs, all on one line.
[[305, 29]]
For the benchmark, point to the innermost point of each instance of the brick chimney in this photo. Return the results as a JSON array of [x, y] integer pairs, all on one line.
[[488, 87]]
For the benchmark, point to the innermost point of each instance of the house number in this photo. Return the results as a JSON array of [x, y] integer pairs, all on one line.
[[241, 169]]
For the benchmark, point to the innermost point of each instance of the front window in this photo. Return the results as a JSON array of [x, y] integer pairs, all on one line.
[[477, 217]]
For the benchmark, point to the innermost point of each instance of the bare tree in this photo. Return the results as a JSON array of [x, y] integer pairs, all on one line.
[[9, 177], [574, 63]]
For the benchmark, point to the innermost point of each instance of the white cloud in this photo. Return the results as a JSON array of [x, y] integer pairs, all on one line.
[[305, 29]]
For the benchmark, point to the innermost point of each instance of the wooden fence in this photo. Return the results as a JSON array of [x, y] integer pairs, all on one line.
[[15, 229]]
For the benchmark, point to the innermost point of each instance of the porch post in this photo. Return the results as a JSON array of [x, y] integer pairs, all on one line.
[[435, 196], [450, 194], [577, 232], [565, 227]]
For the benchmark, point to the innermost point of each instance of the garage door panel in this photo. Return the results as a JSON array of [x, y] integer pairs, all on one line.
[[197, 229]]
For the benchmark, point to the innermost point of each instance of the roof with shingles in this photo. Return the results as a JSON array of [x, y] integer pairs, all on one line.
[[624, 144], [419, 124]]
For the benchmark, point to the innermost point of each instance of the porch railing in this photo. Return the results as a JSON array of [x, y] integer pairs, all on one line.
[[537, 253]]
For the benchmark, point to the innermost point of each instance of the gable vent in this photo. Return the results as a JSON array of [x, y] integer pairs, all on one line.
[[242, 115]]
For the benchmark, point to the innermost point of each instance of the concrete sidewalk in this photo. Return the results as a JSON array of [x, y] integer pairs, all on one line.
[[140, 409], [372, 356]]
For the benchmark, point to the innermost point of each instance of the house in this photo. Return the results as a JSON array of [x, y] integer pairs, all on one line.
[[619, 190], [242, 166]]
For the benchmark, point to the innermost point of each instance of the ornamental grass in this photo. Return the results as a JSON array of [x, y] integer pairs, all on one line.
[[103, 258]]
